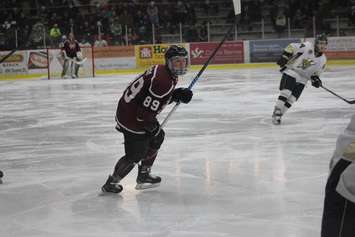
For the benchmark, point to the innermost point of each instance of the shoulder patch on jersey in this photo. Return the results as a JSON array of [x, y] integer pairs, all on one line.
[[289, 49], [161, 83]]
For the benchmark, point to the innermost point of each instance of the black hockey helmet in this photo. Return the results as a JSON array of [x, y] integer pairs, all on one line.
[[176, 59], [321, 42]]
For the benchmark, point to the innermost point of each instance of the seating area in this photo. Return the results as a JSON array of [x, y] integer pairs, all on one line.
[[24, 24]]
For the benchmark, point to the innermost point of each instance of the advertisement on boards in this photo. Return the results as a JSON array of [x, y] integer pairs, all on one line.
[[37, 59], [114, 57], [15, 64], [268, 50], [341, 48], [228, 53], [148, 55]]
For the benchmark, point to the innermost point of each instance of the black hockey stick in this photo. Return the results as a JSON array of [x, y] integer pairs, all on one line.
[[8, 55], [236, 4], [340, 97], [199, 73]]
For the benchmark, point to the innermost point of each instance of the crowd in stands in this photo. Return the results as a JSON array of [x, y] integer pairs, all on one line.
[[45, 23]]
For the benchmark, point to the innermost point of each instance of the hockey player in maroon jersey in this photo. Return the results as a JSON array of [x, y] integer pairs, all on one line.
[[72, 53], [136, 118]]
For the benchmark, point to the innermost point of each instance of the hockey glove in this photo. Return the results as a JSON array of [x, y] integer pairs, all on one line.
[[282, 61], [316, 81], [285, 57], [183, 95]]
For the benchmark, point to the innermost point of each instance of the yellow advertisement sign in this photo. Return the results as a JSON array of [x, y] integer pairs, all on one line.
[[148, 55]]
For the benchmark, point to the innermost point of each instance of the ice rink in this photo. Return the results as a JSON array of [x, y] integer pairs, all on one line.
[[226, 170]]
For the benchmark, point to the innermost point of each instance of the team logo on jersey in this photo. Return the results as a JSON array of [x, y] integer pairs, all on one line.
[[306, 63], [145, 52]]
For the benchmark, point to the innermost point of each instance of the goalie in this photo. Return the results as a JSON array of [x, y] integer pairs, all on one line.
[[72, 57], [299, 62]]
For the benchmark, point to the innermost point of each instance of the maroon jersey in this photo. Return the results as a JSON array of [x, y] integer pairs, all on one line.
[[71, 48], [145, 98]]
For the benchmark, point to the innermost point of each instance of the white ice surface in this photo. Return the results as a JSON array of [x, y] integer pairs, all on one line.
[[226, 170]]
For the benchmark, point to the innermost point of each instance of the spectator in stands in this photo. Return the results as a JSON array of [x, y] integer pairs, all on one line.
[[100, 42], [298, 20], [280, 22], [141, 26], [191, 34], [206, 6], [181, 13], [43, 12], [153, 14], [166, 20], [126, 19], [87, 30], [37, 34], [116, 31], [54, 19], [55, 36], [132, 38], [23, 36], [85, 41], [204, 31]]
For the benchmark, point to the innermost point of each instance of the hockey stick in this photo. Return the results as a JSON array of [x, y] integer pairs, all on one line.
[[332, 92], [75, 61], [81, 62], [236, 4], [8, 55]]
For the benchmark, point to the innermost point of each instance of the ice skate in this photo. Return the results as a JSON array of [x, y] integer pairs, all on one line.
[[276, 116], [145, 179], [112, 185]]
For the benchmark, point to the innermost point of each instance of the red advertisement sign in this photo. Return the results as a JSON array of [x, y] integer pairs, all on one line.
[[230, 52], [37, 60], [340, 54]]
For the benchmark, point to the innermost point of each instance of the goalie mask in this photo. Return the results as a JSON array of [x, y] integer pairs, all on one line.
[[176, 60], [320, 43]]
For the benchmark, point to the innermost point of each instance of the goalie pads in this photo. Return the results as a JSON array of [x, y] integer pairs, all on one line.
[[65, 67]]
